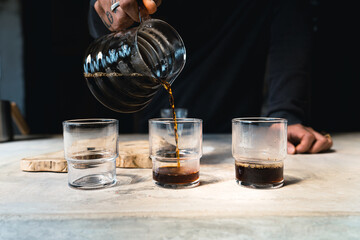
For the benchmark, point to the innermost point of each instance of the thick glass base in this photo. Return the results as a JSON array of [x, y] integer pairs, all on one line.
[[261, 186], [94, 181], [178, 186]]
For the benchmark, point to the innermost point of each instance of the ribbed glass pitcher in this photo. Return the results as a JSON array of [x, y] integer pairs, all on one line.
[[124, 70]]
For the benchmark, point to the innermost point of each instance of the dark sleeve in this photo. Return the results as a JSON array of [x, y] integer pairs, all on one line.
[[289, 66], [96, 26]]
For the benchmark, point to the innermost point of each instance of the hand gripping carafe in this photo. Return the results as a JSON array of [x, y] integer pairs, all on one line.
[[125, 69]]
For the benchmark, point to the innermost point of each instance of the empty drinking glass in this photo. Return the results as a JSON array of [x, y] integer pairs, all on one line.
[[90, 147]]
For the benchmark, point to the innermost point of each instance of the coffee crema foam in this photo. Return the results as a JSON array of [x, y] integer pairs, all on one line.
[[260, 166]]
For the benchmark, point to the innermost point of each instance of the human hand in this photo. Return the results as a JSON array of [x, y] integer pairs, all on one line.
[[303, 139], [126, 14]]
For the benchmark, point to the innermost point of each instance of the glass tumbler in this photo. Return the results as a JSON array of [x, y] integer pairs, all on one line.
[[90, 147], [259, 146], [168, 112], [172, 170]]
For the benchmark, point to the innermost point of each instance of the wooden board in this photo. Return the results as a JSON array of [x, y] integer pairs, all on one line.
[[49, 162], [132, 154]]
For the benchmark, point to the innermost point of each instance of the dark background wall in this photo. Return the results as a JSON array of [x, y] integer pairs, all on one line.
[[56, 37], [335, 92]]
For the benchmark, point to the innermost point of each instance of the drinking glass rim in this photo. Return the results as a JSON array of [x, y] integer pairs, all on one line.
[[259, 120], [170, 109], [86, 121], [178, 120]]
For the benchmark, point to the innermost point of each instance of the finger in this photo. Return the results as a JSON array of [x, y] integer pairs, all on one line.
[[101, 12], [131, 8], [306, 142], [98, 8], [330, 140], [290, 148], [121, 20], [321, 144], [150, 6]]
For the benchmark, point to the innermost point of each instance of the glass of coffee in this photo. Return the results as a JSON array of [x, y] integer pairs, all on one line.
[[259, 146], [90, 147], [175, 154]]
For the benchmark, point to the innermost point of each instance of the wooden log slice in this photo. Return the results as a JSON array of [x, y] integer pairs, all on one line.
[[132, 154]]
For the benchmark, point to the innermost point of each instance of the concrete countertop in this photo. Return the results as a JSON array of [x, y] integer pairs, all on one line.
[[320, 199]]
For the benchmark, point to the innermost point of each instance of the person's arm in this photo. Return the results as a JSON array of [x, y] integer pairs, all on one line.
[[102, 20], [289, 76], [96, 26]]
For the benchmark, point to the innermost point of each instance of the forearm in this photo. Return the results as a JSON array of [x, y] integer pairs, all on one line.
[[96, 26], [289, 63]]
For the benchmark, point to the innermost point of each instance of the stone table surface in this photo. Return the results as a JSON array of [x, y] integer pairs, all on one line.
[[320, 199]]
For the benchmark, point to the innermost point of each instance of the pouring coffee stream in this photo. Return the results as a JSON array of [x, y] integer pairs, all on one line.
[[172, 105], [124, 70]]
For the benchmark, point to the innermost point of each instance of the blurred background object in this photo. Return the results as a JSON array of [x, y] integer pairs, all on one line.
[[9, 114], [12, 85], [6, 130], [168, 112]]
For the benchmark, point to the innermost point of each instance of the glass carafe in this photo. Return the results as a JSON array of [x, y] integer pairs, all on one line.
[[124, 70]]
